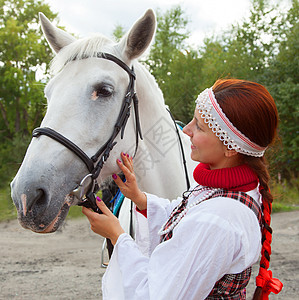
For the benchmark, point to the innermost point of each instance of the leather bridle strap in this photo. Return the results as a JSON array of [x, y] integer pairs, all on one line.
[[65, 142], [182, 150], [103, 153]]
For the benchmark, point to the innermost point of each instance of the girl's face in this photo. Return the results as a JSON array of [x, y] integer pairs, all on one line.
[[206, 146]]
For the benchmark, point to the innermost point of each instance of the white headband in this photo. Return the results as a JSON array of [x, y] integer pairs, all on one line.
[[216, 119]]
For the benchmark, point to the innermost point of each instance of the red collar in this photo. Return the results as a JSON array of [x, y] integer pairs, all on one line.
[[240, 178]]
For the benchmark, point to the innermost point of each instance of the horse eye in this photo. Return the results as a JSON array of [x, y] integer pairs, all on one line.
[[102, 91]]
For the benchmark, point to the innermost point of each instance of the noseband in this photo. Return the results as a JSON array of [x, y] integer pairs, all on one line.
[[88, 186]]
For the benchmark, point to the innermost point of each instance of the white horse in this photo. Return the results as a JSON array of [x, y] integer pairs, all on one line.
[[84, 99]]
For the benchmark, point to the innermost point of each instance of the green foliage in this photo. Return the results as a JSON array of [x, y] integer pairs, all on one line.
[[176, 69], [12, 152], [262, 48], [7, 209], [283, 82], [24, 51], [180, 86], [170, 39], [241, 52], [286, 95], [118, 33], [286, 195]]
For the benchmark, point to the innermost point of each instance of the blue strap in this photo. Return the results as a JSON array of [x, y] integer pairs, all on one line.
[[118, 200], [118, 203]]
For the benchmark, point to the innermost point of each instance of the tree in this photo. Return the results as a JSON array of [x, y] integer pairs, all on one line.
[[283, 81], [170, 39], [244, 51], [214, 60], [175, 67], [181, 85], [263, 48], [23, 52], [118, 33]]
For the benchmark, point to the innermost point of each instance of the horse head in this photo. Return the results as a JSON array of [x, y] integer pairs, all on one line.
[[84, 99]]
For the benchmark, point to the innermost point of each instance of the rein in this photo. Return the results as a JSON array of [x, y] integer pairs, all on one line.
[[88, 186], [181, 146]]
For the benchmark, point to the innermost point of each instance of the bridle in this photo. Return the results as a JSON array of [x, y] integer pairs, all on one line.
[[88, 186]]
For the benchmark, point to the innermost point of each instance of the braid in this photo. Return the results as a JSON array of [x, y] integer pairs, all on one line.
[[264, 286], [252, 110]]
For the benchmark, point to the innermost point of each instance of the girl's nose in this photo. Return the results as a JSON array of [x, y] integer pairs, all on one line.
[[187, 130]]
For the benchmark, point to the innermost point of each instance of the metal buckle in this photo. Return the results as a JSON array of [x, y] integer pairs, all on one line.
[[81, 190]]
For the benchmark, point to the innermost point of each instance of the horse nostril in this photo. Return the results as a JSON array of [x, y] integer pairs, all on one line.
[[38, 202]]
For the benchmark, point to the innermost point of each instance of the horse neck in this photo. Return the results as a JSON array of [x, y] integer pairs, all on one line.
[[158, 162]]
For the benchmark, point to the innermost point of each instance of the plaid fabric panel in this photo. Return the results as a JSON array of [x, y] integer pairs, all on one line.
[[233, 286], [173, 216], [230, 286], [239, 196]]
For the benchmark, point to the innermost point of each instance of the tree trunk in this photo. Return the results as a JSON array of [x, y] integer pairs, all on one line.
[[4, 115], [17, 120]]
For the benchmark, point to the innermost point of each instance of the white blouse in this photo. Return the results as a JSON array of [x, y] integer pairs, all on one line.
[[216, 237]]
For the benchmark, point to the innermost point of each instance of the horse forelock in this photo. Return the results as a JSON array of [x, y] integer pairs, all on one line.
[[81, 49], [91, 47]]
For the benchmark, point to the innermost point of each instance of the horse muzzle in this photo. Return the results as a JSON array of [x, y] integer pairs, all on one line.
[[38, 209]]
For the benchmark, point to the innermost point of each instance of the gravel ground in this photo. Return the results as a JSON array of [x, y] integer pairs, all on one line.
[[67, 264]]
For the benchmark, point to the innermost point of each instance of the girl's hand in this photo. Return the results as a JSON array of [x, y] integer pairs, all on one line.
[[130, 188], [106, 224]]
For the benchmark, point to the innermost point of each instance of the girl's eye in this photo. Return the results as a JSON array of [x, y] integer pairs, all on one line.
[[102, 91], [198, 127], [196, 124]]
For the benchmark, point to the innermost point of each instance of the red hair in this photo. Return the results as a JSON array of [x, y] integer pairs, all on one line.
[[252, 110], [250, 107]]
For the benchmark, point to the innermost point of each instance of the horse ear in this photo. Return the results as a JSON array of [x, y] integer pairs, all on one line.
[[56, 37], [140, 35]]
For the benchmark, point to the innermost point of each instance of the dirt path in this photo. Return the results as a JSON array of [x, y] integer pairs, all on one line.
[[67, 264]]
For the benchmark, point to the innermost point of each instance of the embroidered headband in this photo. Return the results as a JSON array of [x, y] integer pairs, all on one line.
[[227, 133]]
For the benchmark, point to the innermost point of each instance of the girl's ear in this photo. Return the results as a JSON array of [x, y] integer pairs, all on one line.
[[230, 153]]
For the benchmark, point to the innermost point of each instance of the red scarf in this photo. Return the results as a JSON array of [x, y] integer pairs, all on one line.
[[240, 178]]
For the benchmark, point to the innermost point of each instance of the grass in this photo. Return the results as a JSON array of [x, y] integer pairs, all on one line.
[[286, 198], [75, 212], [8, 210]]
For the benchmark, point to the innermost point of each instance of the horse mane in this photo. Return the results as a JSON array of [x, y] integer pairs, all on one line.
[[80, 49]]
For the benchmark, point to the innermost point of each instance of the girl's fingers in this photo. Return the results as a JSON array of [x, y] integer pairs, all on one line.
[[127, 161], [118, 180], [88, 213], [102, 206], [91, 214], [125, 167]]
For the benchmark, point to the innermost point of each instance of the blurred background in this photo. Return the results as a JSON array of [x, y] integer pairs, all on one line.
[[195, 44]]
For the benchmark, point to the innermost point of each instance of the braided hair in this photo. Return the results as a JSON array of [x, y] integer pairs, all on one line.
[[251, 109], [264, 278]]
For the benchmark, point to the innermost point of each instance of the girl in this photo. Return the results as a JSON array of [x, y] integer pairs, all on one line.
[[202, 246]]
